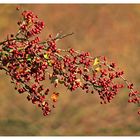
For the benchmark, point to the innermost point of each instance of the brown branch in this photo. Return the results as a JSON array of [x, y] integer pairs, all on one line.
[[19, 39], [62, 36]]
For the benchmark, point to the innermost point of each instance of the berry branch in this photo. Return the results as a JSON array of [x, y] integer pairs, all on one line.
[[29, 62]]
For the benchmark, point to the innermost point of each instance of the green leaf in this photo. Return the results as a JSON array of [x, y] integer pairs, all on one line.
[[19, 49], [97, 86], [53, 79], [61, 81], [29, 58], [17, 67], [11, 50], [59, 58], [1, 54], [49, 63], [5, 53]]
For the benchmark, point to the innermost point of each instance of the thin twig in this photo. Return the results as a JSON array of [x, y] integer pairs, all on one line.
[[62, 36], [19, 39]]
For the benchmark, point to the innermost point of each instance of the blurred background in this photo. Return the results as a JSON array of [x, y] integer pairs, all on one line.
[[110, 30]]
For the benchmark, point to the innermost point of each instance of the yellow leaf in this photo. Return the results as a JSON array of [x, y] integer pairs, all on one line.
[[77, 80], [43, 103], [96, 62], [97, 69], [46, 56]]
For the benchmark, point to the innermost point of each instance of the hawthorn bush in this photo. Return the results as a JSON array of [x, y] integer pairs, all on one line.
[[29, 62]]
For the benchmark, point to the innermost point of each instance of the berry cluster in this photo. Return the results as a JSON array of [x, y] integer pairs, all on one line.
[[30, 26], [30, 61]]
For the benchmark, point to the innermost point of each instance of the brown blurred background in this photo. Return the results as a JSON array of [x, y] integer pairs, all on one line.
[[111, 30]]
